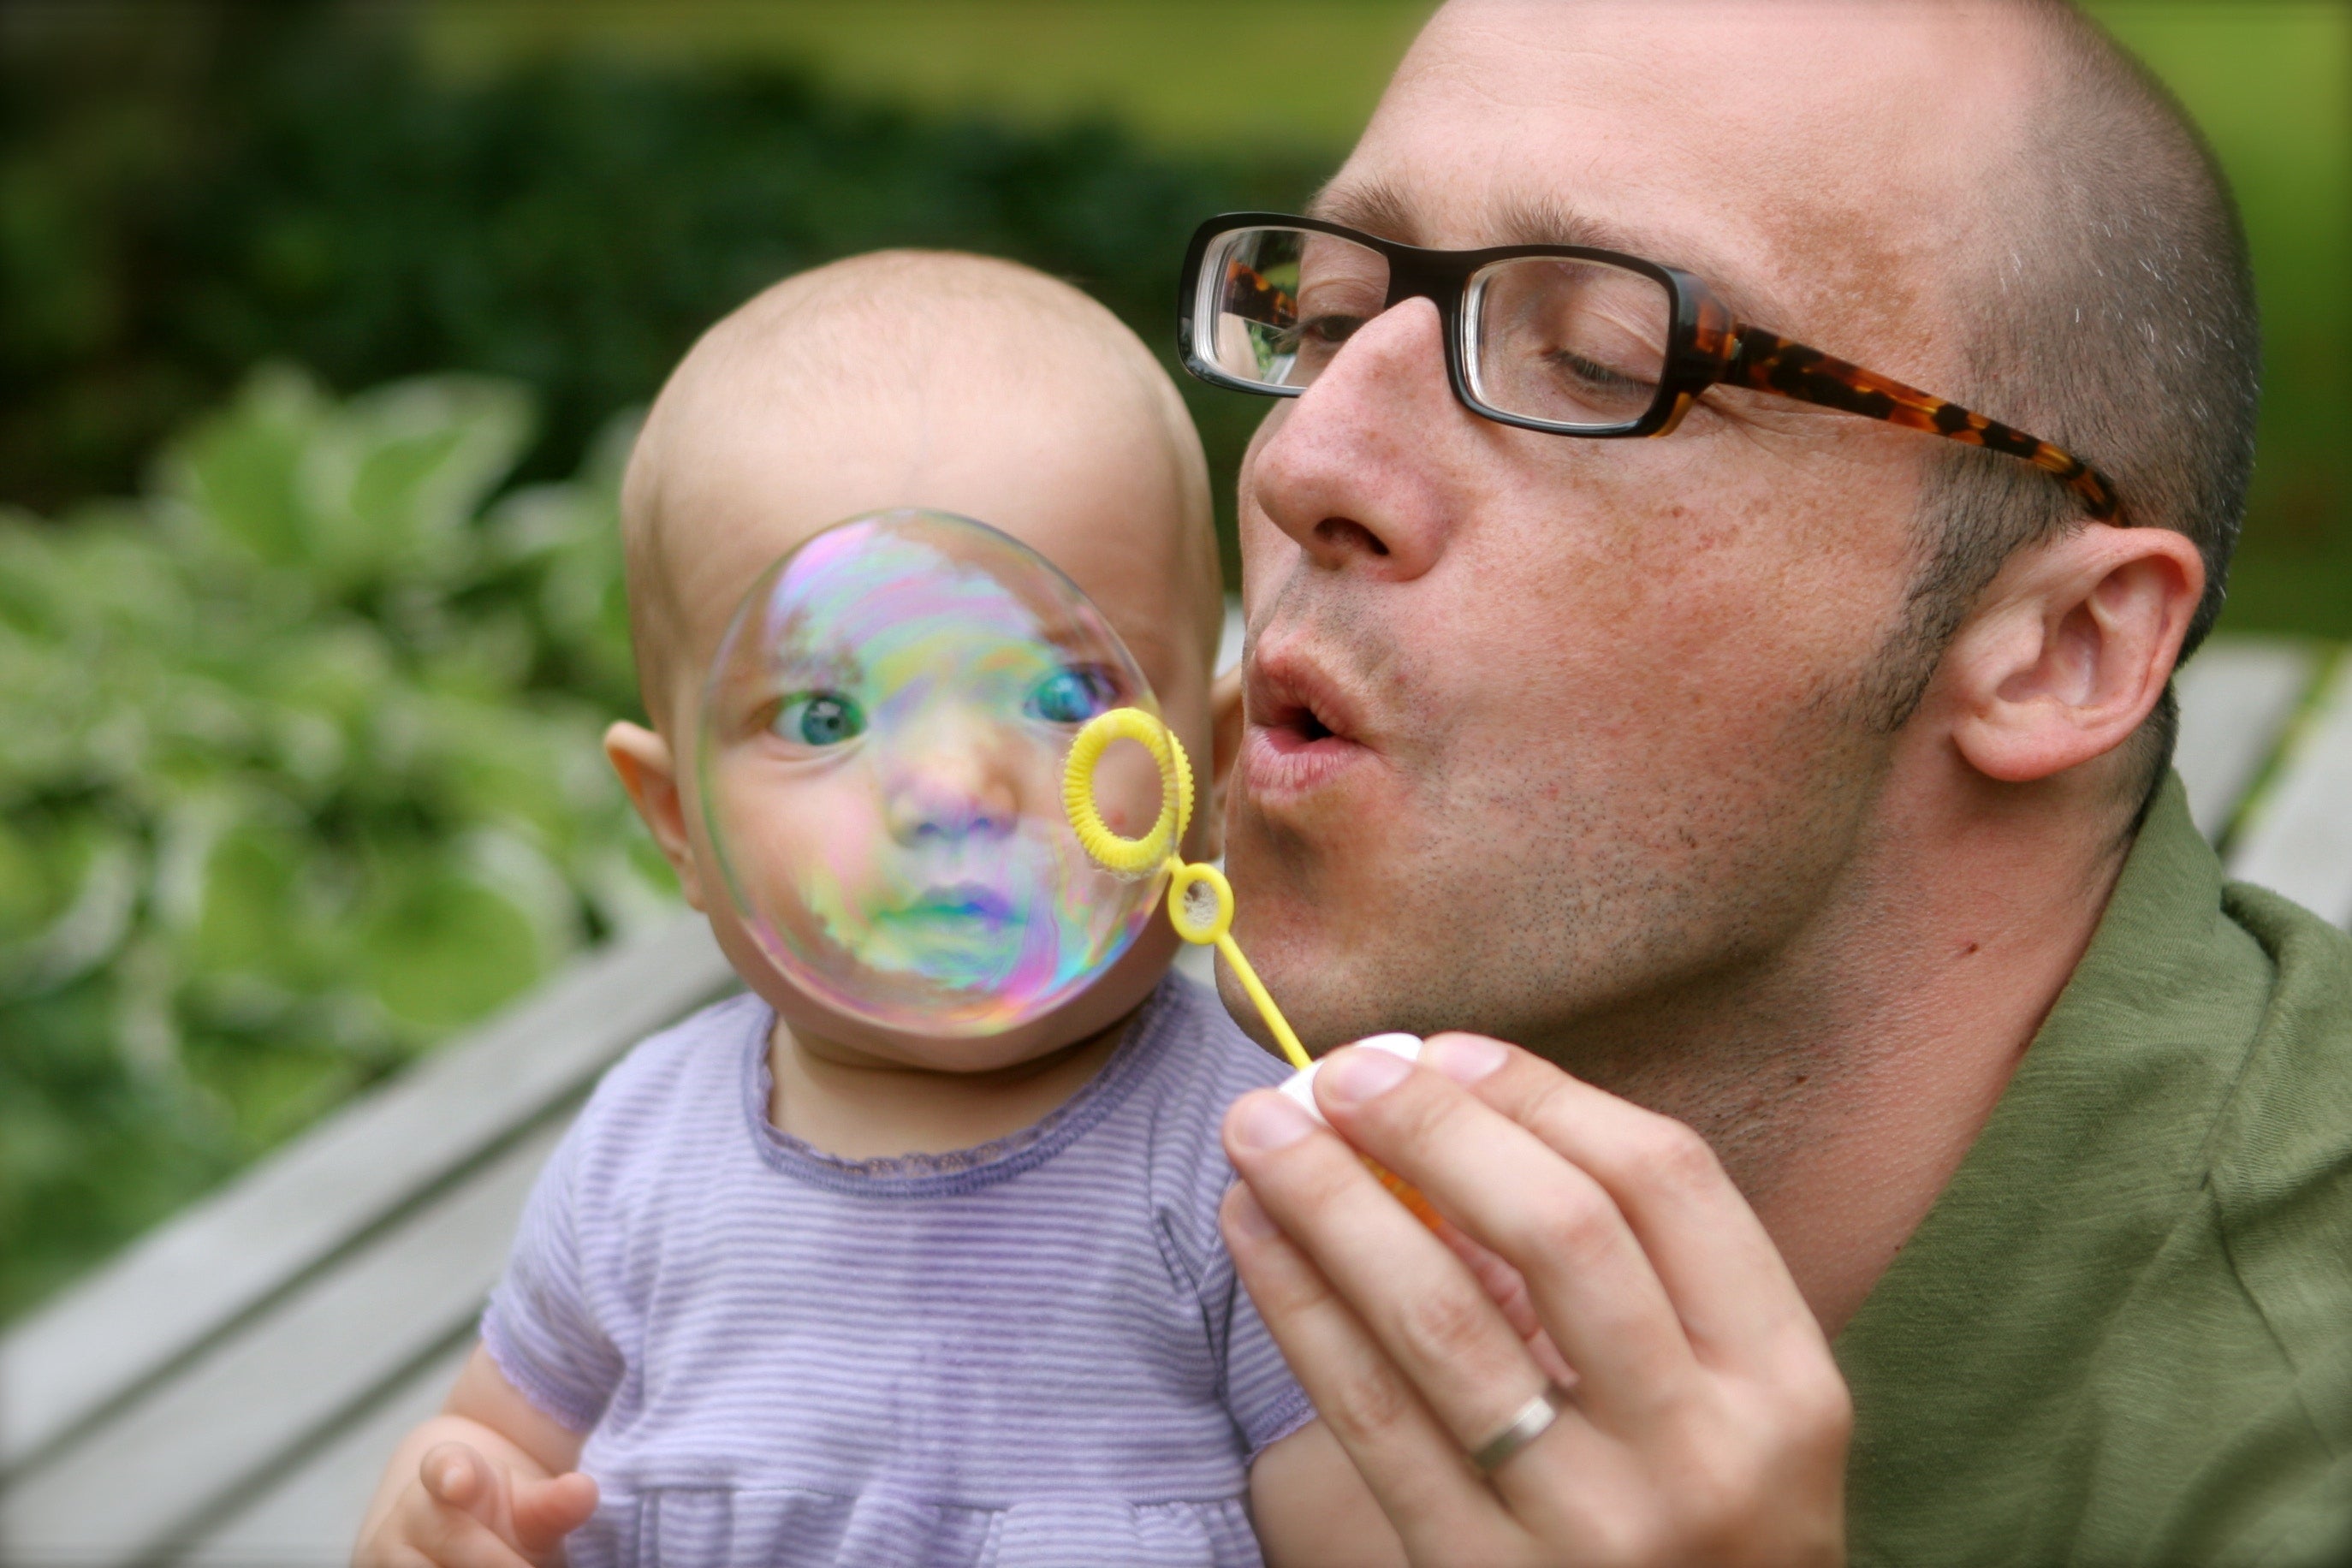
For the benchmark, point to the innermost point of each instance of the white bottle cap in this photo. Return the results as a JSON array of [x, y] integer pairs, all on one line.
[[1300, 1086]]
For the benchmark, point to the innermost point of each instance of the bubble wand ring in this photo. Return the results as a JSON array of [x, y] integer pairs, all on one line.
[[1156, 850], [1127, 857]]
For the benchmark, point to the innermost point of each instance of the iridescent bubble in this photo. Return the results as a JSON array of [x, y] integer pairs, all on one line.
[[881, 750]]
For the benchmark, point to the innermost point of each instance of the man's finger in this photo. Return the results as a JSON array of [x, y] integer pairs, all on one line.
[[1422, 1305], [1728, 1283], [1405, 1455], [1594, 1287], [546, 1511], [1508, 1289]]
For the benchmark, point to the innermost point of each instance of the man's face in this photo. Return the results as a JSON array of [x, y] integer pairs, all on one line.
[[1541, 727]]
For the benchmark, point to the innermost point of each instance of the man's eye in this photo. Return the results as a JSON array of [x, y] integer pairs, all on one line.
[[820, 718], [1071, 696], [1593, 375], [1330, 330]]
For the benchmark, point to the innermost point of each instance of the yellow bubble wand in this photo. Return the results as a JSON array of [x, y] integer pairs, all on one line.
[[1156, 849]]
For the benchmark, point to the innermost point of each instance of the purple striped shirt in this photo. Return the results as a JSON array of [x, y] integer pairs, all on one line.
[[1031, 1352]]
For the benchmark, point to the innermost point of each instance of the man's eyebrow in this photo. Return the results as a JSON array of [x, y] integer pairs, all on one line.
[[1375, 206], [1548, 221], [1543, 220], [1378, 207]]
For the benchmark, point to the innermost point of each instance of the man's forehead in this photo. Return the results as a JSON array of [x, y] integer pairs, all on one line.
[[1753, 141]]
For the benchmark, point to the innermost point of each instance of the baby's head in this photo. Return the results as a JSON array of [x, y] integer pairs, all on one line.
[[912, 379]]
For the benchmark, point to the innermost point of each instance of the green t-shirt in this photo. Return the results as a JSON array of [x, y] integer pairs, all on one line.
[[2124, 1333]]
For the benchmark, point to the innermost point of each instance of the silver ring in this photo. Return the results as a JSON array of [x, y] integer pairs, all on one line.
[[1534, 1419]]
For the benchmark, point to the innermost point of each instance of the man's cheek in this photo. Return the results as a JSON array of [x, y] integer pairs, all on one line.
[[1281, 886]]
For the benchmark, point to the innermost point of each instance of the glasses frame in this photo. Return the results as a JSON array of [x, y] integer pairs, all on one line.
[[1706, 347]]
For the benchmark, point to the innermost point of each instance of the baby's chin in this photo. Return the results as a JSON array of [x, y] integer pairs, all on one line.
[[819, 1028]]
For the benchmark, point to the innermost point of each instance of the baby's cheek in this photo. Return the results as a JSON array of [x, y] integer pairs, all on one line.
[[1126, 789], [837, 831], [792, 835]]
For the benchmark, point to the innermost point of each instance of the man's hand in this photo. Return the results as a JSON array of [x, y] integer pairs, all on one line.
[[1706, 1420], [462, 1510]]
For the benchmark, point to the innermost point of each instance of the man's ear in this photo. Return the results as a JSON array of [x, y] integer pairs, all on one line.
[[1225, 749], [649, 773], [2071, 649]]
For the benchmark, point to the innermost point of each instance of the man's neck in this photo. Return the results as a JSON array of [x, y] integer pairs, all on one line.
[[1842, 1081]]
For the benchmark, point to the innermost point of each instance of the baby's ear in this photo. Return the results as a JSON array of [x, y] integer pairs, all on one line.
[[1225, 749], [649, 773]]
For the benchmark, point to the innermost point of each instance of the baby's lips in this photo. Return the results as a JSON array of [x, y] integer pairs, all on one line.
[[1301, 1084]]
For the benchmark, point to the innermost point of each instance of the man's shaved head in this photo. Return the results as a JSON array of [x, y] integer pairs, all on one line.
[[914, 378], [2108, 305]]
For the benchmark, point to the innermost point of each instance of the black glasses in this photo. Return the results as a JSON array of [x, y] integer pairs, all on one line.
[[1559, 338]]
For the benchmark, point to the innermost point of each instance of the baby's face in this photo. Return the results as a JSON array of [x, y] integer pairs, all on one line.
[[880, 766], [889, 791]]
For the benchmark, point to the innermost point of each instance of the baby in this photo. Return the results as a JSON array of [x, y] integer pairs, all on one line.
[[798, 1287]]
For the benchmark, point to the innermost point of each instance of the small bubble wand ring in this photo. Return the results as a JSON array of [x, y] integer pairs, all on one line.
[[1156, 849]]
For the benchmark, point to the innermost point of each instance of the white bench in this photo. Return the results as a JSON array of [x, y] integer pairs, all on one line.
[[226, 1392]]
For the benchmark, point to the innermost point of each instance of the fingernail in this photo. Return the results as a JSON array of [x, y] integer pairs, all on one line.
[[1353, 1077], [1465, 1059], [1267, 1121], [1246, 1214]]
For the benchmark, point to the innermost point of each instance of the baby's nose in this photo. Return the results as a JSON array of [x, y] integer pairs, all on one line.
[[948, 792]]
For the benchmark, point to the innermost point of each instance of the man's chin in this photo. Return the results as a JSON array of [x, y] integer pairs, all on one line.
[[1321, 997]]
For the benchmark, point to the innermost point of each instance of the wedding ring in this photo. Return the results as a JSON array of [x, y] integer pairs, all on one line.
[[1534, 1419]]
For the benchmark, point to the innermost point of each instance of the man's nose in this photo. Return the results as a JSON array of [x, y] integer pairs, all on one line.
[[1357, 468], [955, 783]]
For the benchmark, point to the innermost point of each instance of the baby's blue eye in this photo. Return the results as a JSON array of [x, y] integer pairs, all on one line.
[[1072, 696], [820, 718]]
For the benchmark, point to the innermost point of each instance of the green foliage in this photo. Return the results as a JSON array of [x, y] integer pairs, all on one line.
[[303, 775], [228, 184]]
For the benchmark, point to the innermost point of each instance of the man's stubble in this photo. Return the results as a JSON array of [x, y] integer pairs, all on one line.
[[1674, 950]]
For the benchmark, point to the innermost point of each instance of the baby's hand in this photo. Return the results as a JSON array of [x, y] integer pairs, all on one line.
[[463, 1511]]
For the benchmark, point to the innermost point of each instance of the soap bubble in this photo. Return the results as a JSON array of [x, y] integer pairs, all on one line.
[[882, 742]]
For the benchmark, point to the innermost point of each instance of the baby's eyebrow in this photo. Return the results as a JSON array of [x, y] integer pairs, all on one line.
[[835, 665], [1060, 631]]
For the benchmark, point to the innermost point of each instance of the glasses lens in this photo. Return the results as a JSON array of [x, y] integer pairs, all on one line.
[[1276, 303], [1581, 345]]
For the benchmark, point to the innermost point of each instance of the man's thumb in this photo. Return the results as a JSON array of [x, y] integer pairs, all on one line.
[[546, 1511]]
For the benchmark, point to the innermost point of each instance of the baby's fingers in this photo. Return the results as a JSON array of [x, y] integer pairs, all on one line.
[[546, 1511], [455, 1475], [429, 1531]]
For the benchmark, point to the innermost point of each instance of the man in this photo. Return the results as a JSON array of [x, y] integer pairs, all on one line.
[[1792, 790]]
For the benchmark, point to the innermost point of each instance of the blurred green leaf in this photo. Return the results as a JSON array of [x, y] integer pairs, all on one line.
[[305, 776], [241, 470], [440, 947], [394, 481]]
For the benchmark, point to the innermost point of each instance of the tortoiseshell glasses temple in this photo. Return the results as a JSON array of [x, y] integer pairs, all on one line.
[[1226, 286]]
